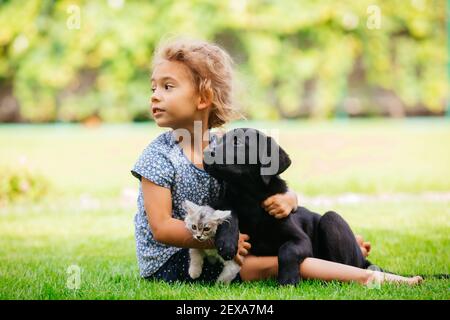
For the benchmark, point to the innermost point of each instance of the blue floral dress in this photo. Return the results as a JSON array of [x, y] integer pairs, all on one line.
[[164, 163]]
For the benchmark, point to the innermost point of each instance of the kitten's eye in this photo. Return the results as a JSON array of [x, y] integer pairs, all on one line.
[[194, 227], [206, 229]]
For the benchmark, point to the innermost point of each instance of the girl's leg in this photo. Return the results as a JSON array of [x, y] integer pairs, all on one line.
[[313, 268], [336, 242], [260, 268]]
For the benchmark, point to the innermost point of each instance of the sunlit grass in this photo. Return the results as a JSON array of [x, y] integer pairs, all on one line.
[[38, 247], [87, 221]]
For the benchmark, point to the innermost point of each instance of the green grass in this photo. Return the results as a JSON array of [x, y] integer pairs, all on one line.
[[39, 241]]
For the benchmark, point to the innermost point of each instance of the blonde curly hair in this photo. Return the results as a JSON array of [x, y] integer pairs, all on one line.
[[212, 71]]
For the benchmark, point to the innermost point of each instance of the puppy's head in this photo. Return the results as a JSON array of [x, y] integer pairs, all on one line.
[[245, 156]]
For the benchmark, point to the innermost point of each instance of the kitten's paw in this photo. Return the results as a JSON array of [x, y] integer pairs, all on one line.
[[194, 272], [229, 272], [224, 279]]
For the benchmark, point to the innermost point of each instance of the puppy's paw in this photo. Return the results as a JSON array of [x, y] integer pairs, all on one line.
[[226, 249], [194, 272], [285, 280]]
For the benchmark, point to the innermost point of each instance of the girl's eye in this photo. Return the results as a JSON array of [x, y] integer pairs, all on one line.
[[194, 227], [166, 86]]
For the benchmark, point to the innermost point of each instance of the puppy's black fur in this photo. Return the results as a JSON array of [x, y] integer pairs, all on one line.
[[302, 234]]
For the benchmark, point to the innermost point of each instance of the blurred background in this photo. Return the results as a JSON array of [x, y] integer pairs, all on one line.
[[356, 92], [72, 61]]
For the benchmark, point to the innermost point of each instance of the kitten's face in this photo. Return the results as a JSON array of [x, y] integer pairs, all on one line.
[[203, 221]]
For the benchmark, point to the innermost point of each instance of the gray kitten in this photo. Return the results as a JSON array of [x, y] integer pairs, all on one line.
[[202, 222]]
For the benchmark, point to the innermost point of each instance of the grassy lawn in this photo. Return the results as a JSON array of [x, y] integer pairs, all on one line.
[[87, 219]]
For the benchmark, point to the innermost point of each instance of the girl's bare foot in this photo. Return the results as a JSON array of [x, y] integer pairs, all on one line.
[[365, 246], [378, 277]]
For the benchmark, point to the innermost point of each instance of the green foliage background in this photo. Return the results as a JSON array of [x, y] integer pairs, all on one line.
[[294, 58]]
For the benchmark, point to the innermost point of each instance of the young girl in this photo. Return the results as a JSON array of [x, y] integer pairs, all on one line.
[[192, 84]]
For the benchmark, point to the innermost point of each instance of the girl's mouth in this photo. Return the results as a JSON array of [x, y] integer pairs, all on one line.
[[157, 111]]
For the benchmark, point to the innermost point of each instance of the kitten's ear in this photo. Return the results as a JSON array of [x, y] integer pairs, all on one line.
[[221, 215], [189, 206]]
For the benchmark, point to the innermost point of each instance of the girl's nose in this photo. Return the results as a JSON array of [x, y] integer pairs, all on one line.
[[155, 97]]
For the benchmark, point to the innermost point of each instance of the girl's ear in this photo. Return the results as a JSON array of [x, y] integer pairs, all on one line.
[[203, 105], [205, 95], [221, 216]]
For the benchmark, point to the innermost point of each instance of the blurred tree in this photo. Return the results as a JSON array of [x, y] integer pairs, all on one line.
[[74, 60]]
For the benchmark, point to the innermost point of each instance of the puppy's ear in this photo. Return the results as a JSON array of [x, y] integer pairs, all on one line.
[[271, 153], [285, 161], [266, 179]]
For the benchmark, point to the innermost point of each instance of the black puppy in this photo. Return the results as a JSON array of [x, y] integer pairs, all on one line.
[[249, 163]]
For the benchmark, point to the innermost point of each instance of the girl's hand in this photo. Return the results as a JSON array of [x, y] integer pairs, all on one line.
[[280, 205], [243, 247]]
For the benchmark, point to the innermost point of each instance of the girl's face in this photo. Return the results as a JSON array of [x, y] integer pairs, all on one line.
[[174, 102]]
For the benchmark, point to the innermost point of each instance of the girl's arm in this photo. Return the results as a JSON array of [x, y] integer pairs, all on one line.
[[165, 229]]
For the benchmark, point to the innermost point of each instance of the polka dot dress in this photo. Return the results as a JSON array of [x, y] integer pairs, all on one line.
[[177, 267], [163, 162]]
